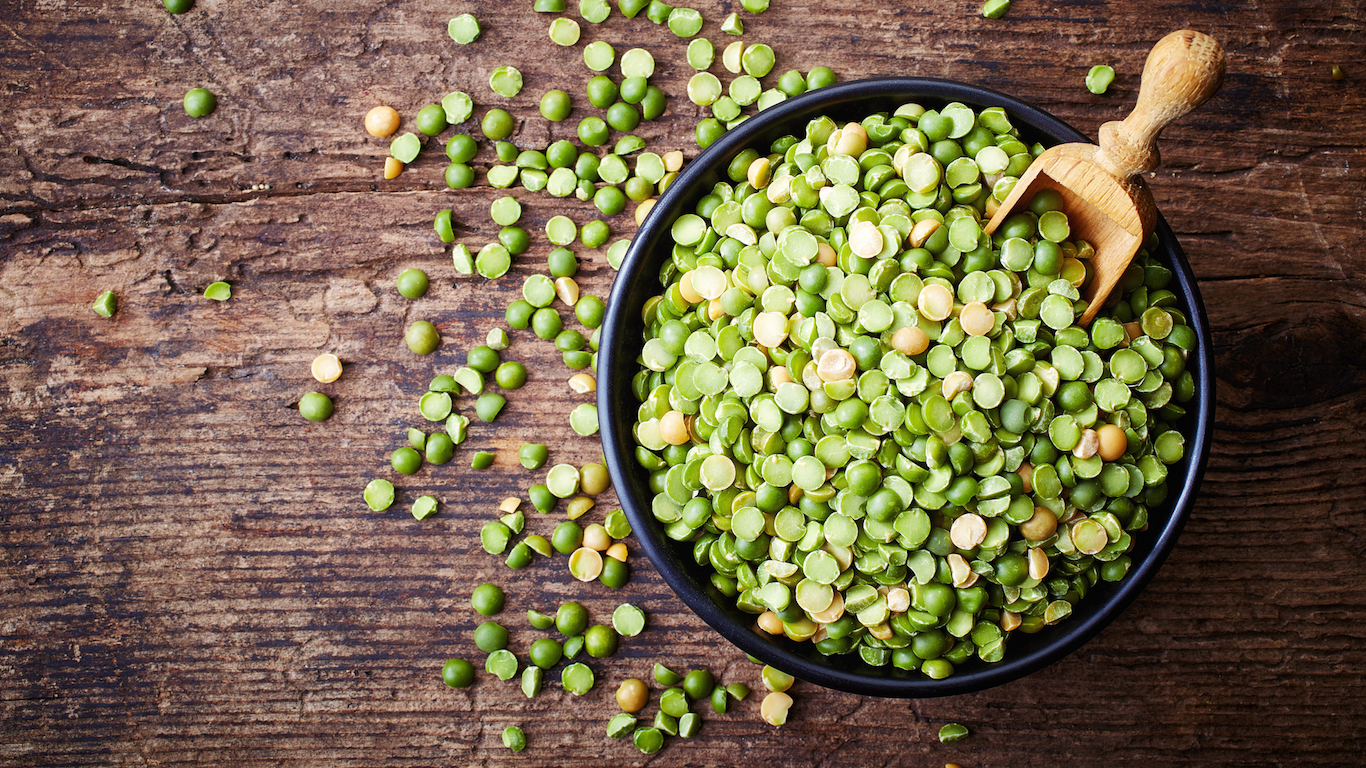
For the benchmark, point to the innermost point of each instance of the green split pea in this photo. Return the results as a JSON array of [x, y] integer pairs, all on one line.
[[872, 420]]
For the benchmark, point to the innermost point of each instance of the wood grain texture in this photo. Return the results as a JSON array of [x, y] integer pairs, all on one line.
[[188, 574]]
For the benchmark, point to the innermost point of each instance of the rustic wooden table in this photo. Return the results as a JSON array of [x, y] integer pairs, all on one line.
[[188, 573]]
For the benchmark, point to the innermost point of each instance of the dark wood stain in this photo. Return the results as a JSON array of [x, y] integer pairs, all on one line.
[[188, 573]]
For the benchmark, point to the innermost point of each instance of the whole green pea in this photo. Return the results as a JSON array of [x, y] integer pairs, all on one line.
[[199, 102], [412, 283], [315, 406], [813, 277], [610, 200], [937, 669], [561, 154], [406, 460], [792, 83], [515, 239], [601, 641], [178, 7], [593, 131], [623, 117], [571, 619], [461, 148], [482, 358], [546, 652], [633, 89], [422, 337], [1011, 569], [458, 673], [543, 500], [555, 105], [820, 77], [519, 314], [510, 375], [440, 448], [929, 644], [546, 323], [698, 684], [601, 91], [595, 233], [487, 599], [562, 263], [709, 131], [431, 119], [586, 167], [568, 536], [615, 573], [590, 311], [490, 636], [497, 124], [459, 176], [570, 340]]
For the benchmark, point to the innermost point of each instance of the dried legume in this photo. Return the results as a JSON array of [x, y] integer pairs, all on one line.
[[870, 420]]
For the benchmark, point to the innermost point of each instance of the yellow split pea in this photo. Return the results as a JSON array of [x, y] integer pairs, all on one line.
[[327, 368], [585, 564], [381, 121]]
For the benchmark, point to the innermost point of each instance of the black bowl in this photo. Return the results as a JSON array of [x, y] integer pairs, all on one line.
[[622, 342]]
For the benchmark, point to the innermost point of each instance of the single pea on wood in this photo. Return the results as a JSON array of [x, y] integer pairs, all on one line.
[[464, 29], [315, 406], [533, 455], [405, 148], [457, 673], [532, 680], [487, 599], [952, 732], [502, 663], [599, 55], [379, 494], [632, 696], [620, 725], [412, 283], [578, 679], [628, 620], [506, 81], [200, 102], [490, 636], [431, 120], [424, 507], [422, 337], [995, 9], [106, 304], [458, 107], [648, 740], [218, 291], [564, 31], [1099, 78]]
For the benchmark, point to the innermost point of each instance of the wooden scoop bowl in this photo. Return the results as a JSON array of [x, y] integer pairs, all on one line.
[[1105, 198]]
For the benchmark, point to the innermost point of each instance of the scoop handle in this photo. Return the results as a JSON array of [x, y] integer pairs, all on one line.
[[1183, 71]]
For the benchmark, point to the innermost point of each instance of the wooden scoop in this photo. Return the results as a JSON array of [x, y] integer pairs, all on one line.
[[1106, 200]]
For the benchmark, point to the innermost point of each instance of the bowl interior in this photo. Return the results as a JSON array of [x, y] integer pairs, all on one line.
[[622, 340]]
